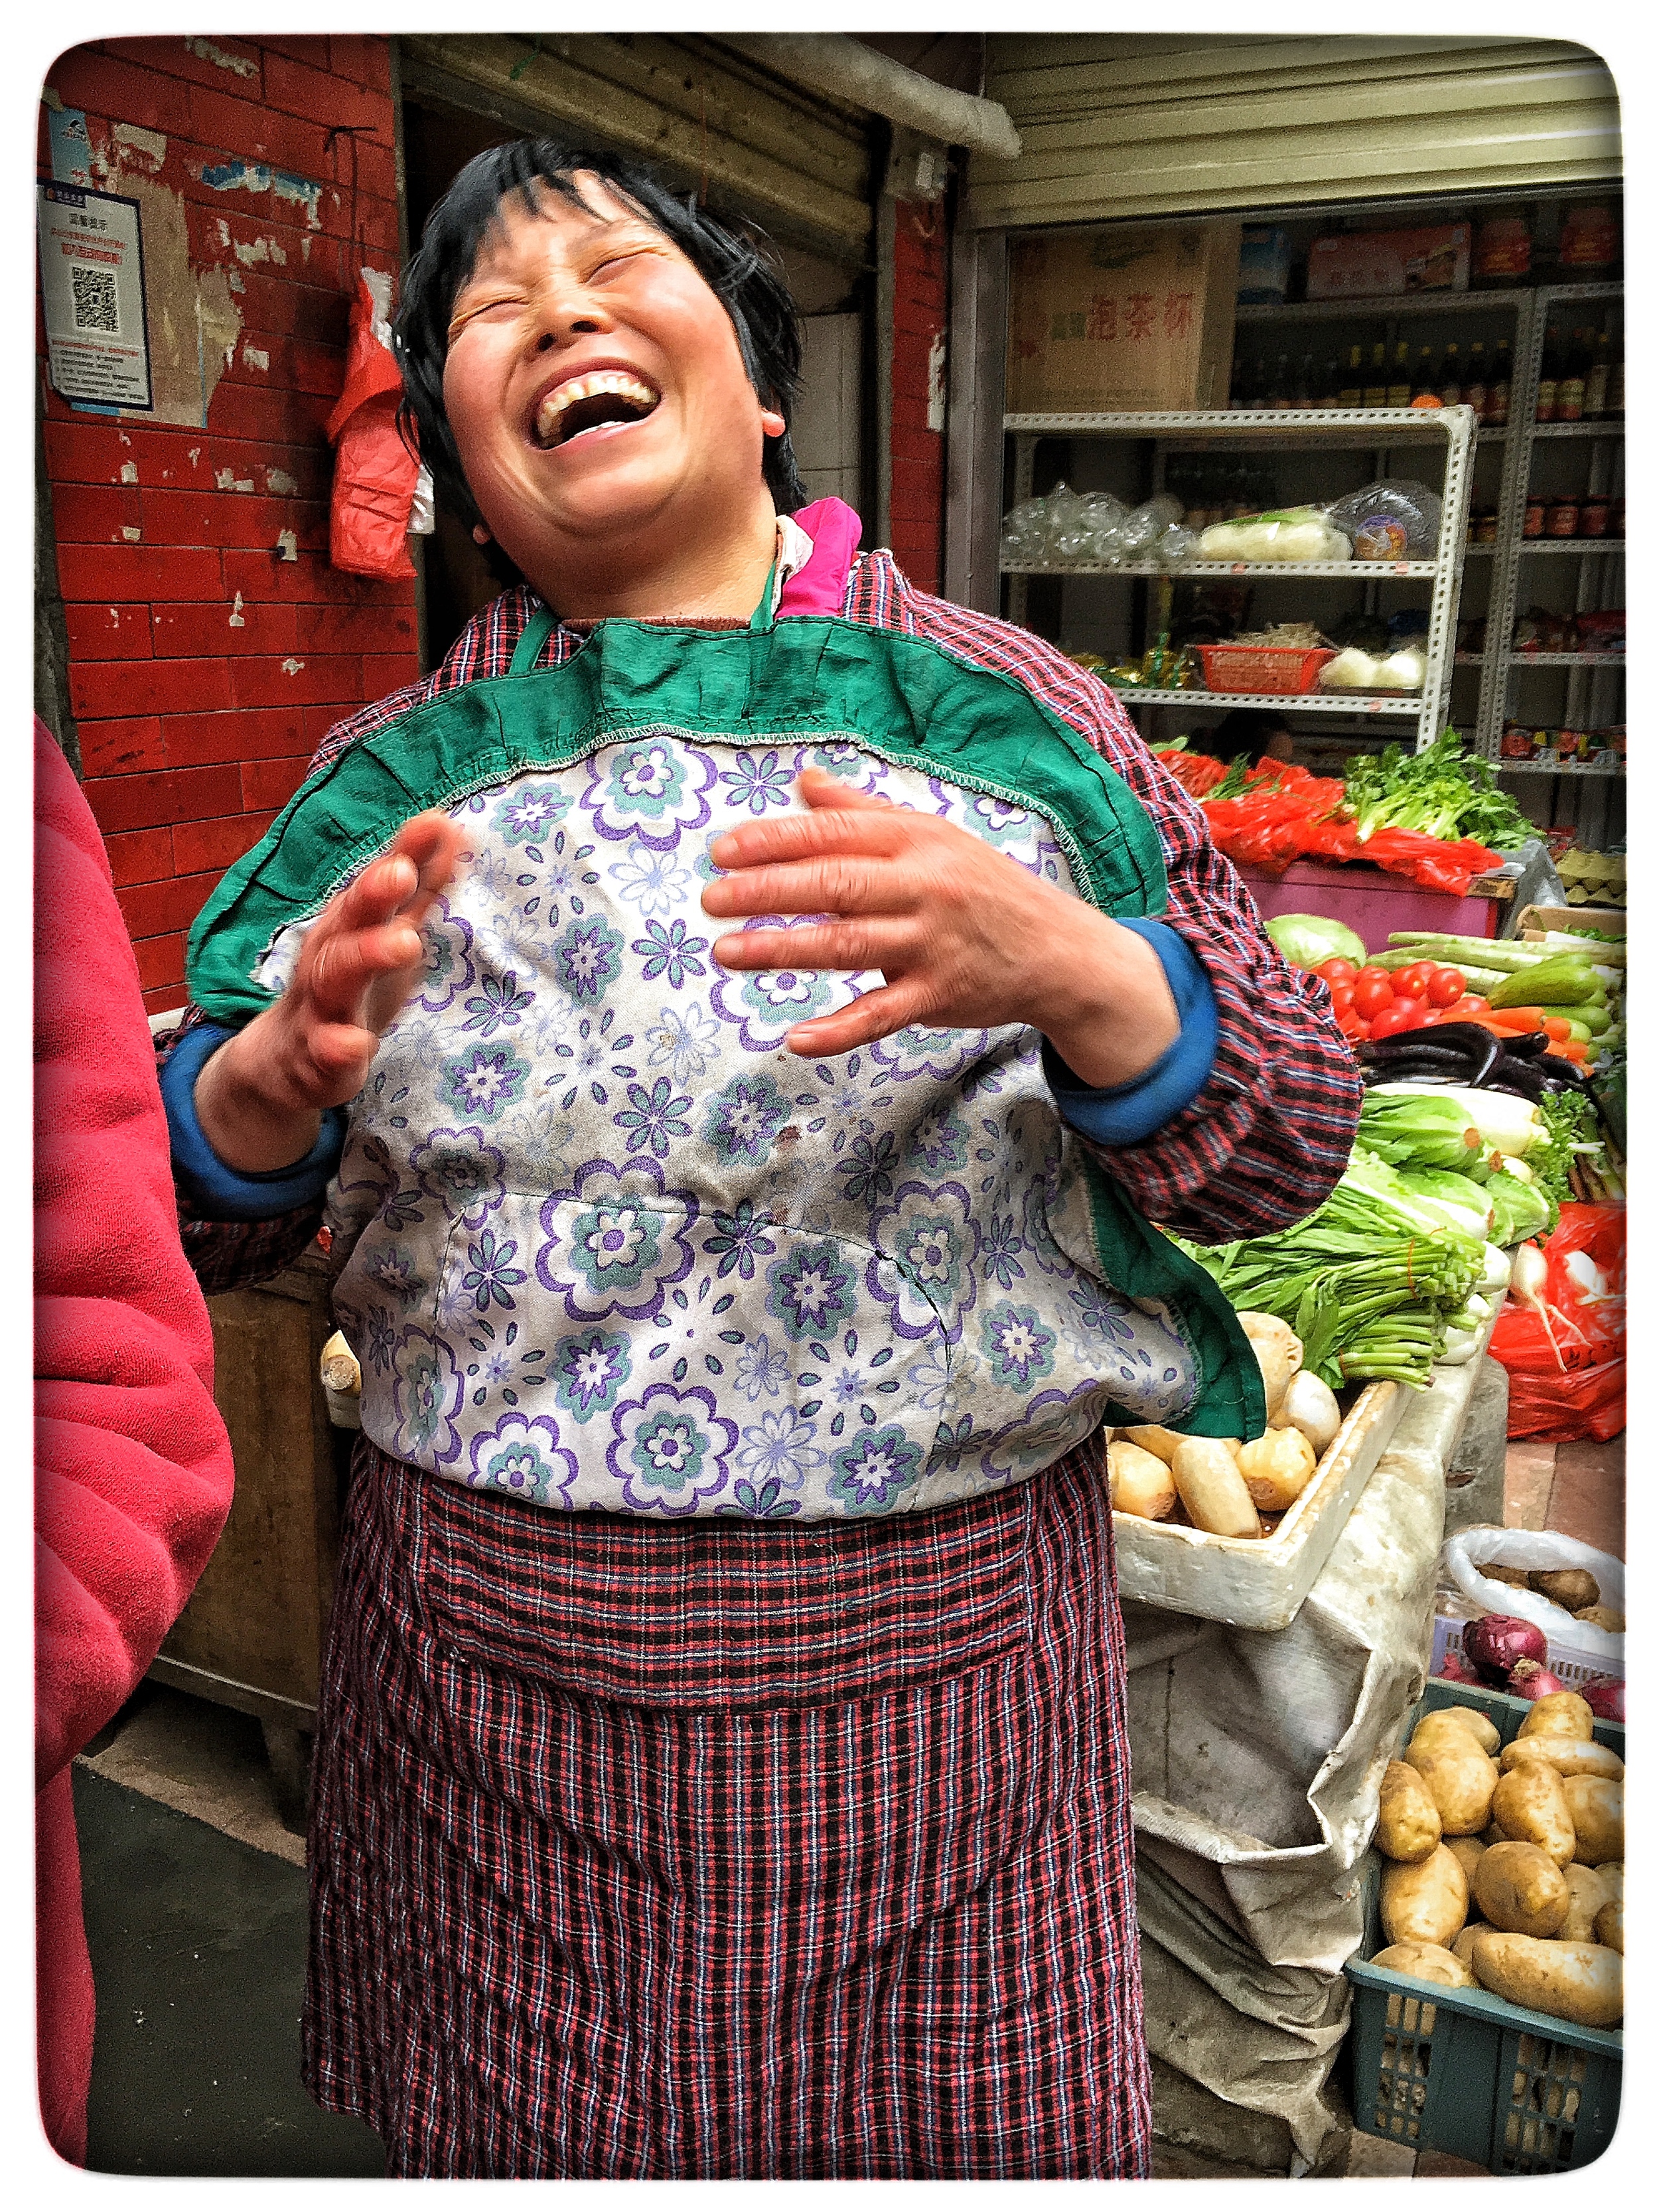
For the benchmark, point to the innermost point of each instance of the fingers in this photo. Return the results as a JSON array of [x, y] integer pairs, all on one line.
[[343, 964], [876, 1014], [819, 789], [875, 829], [847, 946], [433, 844], [837, 883]]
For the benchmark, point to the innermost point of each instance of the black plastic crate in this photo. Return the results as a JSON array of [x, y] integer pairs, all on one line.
[[1462, 2071]]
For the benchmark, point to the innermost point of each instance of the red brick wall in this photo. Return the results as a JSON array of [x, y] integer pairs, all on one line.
[[196, 716], [917, 498]]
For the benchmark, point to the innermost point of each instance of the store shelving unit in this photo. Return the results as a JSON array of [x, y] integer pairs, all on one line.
[[1446, 434], [1595, 679]]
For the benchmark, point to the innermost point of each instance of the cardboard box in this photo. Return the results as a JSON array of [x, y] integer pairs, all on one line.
[[1364, 264], [1124, 321]]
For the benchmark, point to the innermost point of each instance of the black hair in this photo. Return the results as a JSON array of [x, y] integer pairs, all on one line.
[[763, 311], [1243, 730]]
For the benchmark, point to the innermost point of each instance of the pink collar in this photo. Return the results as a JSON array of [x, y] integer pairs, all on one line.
[[820, 586]]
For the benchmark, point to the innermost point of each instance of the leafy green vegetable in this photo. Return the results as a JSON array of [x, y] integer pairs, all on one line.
[[1445, 792], [1569, 1118], [1520, 1210], [1307, 940], [1232, 786], [1418, 1130]]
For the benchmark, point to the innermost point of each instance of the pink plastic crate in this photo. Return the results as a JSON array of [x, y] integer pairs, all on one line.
[[1370, 901]]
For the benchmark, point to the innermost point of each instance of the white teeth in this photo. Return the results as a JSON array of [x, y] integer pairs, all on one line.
[[552, 409]]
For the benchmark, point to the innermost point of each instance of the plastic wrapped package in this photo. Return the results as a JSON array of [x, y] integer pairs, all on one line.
[[1356, 670], [1396, 519], [1292, 533]]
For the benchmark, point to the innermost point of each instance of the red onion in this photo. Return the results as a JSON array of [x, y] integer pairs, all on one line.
[[1453, 1668], [1605, 1695], [1528, 1680], [1494, 1643]]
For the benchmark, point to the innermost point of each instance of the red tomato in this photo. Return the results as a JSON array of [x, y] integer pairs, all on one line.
[[1466, 1007], [1403, 1014], [1446, 986], [1342, 998], [1373, 990], [1435, 1014], [1352, 1028], [1413, 983], [1337, 971]]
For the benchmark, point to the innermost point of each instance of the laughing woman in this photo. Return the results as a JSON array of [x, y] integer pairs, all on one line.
[[742, 1014]]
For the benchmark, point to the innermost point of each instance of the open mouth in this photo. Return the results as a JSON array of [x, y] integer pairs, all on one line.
[[605, 399]]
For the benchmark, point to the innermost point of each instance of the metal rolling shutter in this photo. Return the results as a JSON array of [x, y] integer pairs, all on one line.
[[1118, 126], [799, 160]]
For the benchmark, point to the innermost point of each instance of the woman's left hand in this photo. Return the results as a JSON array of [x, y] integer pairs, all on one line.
[[964, 936]]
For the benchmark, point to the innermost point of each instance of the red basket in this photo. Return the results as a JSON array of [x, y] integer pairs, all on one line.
[[1280, 668]]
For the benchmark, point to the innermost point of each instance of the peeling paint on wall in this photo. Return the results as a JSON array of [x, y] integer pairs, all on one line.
[[256, 249], [238, 64], [149, 145], [193, 320], [228, 480], [128, 472], [279, 483], [240, 176], [255, 357]]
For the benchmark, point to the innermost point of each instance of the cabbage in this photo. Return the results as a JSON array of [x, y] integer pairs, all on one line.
[[1308, 940]]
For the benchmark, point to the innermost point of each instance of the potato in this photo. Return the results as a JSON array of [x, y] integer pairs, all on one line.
[[1140, 1482], [1446, 1729], [1563, 1712], [1407, 1818], [1611, 1875], [1603, 1616], [1460, 1783], [1516, 1577], [1466, 1849], [1567, 1754], [1276, 1468], [1597, 1808], [1426, 1962], [1583, 1983], [1571, 1588], [1161, 1443], [1424, 1904], [1476, 1723], [1585, 1897], [1530, 1805], [1520, 1890], [1610, 1925], [1463, 1942], [1212, 1489]]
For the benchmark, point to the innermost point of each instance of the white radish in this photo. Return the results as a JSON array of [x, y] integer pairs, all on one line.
[[1529, 1278], [1310, 1406]]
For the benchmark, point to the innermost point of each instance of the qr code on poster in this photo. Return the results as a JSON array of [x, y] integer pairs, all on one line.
[[94, 295]]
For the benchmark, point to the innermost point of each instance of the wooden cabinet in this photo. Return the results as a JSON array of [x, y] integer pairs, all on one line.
[[251, 1636]]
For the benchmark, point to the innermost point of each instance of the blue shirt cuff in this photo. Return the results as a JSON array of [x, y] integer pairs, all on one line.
[[1127, 1113], [219, 1193]]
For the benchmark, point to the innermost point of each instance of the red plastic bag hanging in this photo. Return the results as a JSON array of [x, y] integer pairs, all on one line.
[[375, 471], [1581, 1392]]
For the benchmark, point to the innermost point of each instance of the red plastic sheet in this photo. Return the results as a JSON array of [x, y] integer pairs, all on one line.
[[1286, 814], [1581, 1395], [375, 471]]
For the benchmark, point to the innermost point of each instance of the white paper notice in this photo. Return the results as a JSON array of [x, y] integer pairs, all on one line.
[[92, 281]]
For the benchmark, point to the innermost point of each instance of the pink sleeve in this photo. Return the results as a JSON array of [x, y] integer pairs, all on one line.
[[133, 1470]]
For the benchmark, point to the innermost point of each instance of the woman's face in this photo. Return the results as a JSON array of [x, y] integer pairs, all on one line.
[[598, 397]]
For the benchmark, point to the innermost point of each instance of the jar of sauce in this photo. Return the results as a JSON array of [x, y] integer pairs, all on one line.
[[1595, 514], [1562, 519], [1532, 521]]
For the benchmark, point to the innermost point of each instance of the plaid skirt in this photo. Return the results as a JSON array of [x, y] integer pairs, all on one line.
[[714, 1850]]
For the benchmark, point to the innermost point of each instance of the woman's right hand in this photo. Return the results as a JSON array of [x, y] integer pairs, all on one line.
[[261, 1097]]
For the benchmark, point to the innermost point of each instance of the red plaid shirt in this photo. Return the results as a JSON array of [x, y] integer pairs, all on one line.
[[1271, 1131]]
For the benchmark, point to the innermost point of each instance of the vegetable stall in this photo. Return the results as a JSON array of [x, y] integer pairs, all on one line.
[[1285, 1597]]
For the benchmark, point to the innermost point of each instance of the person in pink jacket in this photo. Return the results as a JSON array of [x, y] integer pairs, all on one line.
[[133, 1470]]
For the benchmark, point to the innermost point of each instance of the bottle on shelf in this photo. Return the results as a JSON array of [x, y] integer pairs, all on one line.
[[1330, 384], [1238, 390], [1497, 392], [1598, 378], [1570, 391], [1281, 394], [1425, 384], [1400, 382], [1376, 381], [1476, 391], [1549, 376], [1616, 389], [1451, 378], [1352, 391], [1305, 390]]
